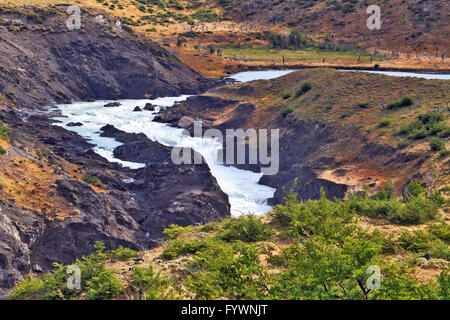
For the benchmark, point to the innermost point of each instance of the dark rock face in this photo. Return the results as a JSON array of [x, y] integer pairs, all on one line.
[[47, 63]]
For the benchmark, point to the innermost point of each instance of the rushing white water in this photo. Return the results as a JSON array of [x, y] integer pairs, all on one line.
[[244, 192]]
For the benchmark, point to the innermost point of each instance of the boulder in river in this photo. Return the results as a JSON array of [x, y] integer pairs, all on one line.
[[137, 109], [112, 105], [74, 124], [149, 107]]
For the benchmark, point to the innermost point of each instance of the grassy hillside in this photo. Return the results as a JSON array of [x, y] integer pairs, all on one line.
[[414, 35], [311, 250]]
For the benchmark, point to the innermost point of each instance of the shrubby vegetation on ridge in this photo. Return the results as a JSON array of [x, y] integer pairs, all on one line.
[[314, 249]]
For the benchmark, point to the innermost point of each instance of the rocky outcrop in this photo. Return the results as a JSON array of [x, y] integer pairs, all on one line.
[[297, 141], [48, 63]]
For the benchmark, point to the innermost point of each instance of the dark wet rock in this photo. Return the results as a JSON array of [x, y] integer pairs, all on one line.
[[149, 107], [190, 124], [308, 186], [137, 109], [74, 124], [193, 107], [112, 105]]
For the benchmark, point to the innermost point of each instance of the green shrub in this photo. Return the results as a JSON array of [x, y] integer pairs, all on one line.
[[123, 254], [415, 211], [384, 123], [437, 144], [29, 287], [173, 231], [304, 89], [96, 281], [90, 179], [103, 286], [151, 284], [402, 144], [427, 124], [415, 241], [4, 132], [415, 188], [286, 112], [181, 247], [246, 229], [363, 105], [440, 250], [287, 95], [2, 151], [440, 231], [404, 102]]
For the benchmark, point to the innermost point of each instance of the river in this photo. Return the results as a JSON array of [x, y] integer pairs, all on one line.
[[245, 194]]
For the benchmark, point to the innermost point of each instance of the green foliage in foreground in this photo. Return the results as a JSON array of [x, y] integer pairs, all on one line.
[[97, 282], [325, 255]]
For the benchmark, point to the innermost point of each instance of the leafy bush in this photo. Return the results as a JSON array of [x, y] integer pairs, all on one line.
[[287, 95], [29, 287], [402, 144], [427, 124], [286, 112], [123, 254], [384, 123], [304, 89], [173, 231], [96, 281], [181, 247], [415, 241], [246, 229], [363, 105], [415, 188], [90, 179], [150, 285], [404, 102], [416, 210], [2, 151], [440, 231], [4, 132], [233, 271], [437, 144]]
